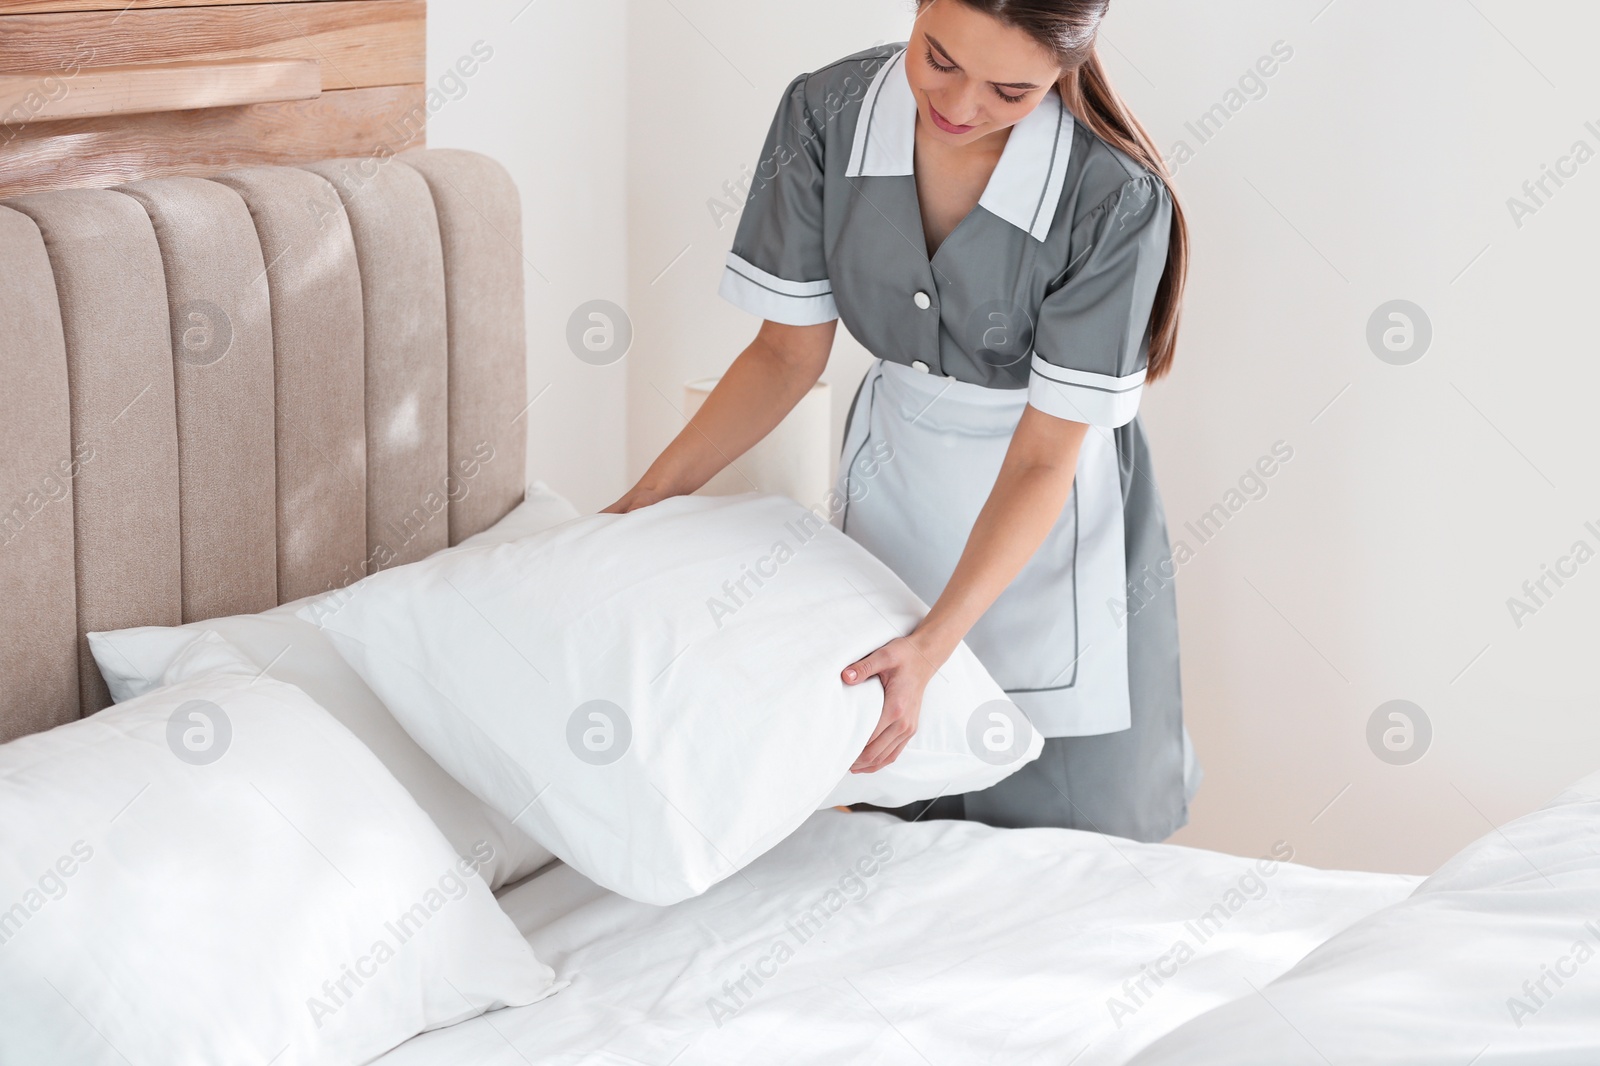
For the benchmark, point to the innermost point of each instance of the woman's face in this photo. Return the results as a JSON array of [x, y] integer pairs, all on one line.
[[973, 75]]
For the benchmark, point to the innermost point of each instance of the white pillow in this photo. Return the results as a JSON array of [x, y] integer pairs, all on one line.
[[541, 508], [218, 872], [1494, 960], [292, 650], [656, 696]]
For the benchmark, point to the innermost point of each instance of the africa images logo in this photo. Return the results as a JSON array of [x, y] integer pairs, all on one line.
[[452, 885], [853, 886], [736, 592]]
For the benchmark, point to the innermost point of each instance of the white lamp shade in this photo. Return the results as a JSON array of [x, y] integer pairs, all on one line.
[[795, 459]]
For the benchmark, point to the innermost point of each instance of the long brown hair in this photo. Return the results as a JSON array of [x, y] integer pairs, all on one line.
[[1068, 28]]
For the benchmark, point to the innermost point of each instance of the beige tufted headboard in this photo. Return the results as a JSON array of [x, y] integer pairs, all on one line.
[[220, 394]]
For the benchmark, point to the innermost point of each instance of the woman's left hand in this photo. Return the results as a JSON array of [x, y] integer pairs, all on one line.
[[904, 668]]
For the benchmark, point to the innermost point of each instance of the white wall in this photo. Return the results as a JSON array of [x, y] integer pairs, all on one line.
[[1376, 167], [707, 77], [551, 104]]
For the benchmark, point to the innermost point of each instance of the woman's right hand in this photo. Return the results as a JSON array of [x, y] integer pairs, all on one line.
[[635, 498]]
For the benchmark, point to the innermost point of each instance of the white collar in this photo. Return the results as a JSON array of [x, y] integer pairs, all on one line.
[[1027, 182]]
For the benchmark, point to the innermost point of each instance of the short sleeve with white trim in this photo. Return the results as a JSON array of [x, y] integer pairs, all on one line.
[[778, 268], [1091, 343]]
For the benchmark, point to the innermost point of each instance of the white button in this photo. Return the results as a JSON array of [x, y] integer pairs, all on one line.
[[918, 364], [921, 300]]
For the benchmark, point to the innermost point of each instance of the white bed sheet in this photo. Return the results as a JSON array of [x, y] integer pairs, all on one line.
[[966, 945]]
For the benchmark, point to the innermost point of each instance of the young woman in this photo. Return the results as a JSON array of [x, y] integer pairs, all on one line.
[[982, 211]]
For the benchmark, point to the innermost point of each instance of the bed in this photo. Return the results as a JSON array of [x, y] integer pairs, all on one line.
[[223, 394], [966, 945]]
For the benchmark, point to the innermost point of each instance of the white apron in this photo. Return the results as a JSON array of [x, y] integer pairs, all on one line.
[[920, 456]]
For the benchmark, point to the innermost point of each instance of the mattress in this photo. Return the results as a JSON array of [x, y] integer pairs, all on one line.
[[868, 940]]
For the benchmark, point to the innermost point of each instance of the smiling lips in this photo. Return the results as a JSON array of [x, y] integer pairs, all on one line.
[[945, 124]]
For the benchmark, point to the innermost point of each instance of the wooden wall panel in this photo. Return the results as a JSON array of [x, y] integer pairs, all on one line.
[[145, 87], [29, 7], [99, 152], [361, 43]]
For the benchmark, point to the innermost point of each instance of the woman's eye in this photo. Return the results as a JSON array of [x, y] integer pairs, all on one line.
[[936, 65], [1011, 99]]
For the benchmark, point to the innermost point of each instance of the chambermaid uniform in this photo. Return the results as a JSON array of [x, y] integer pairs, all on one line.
[[1041, 296]]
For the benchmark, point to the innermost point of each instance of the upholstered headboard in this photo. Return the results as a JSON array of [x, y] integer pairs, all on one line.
[[220, 394]]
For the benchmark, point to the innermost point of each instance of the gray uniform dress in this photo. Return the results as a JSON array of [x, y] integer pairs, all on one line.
[[1041, 296]]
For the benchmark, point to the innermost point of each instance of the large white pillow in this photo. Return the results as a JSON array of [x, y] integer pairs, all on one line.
[[656, 696], [1493, 960], [292, 650], [219, 872]]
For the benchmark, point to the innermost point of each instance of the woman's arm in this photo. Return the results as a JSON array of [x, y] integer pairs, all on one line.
[[1033, 486], [762, 386]]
